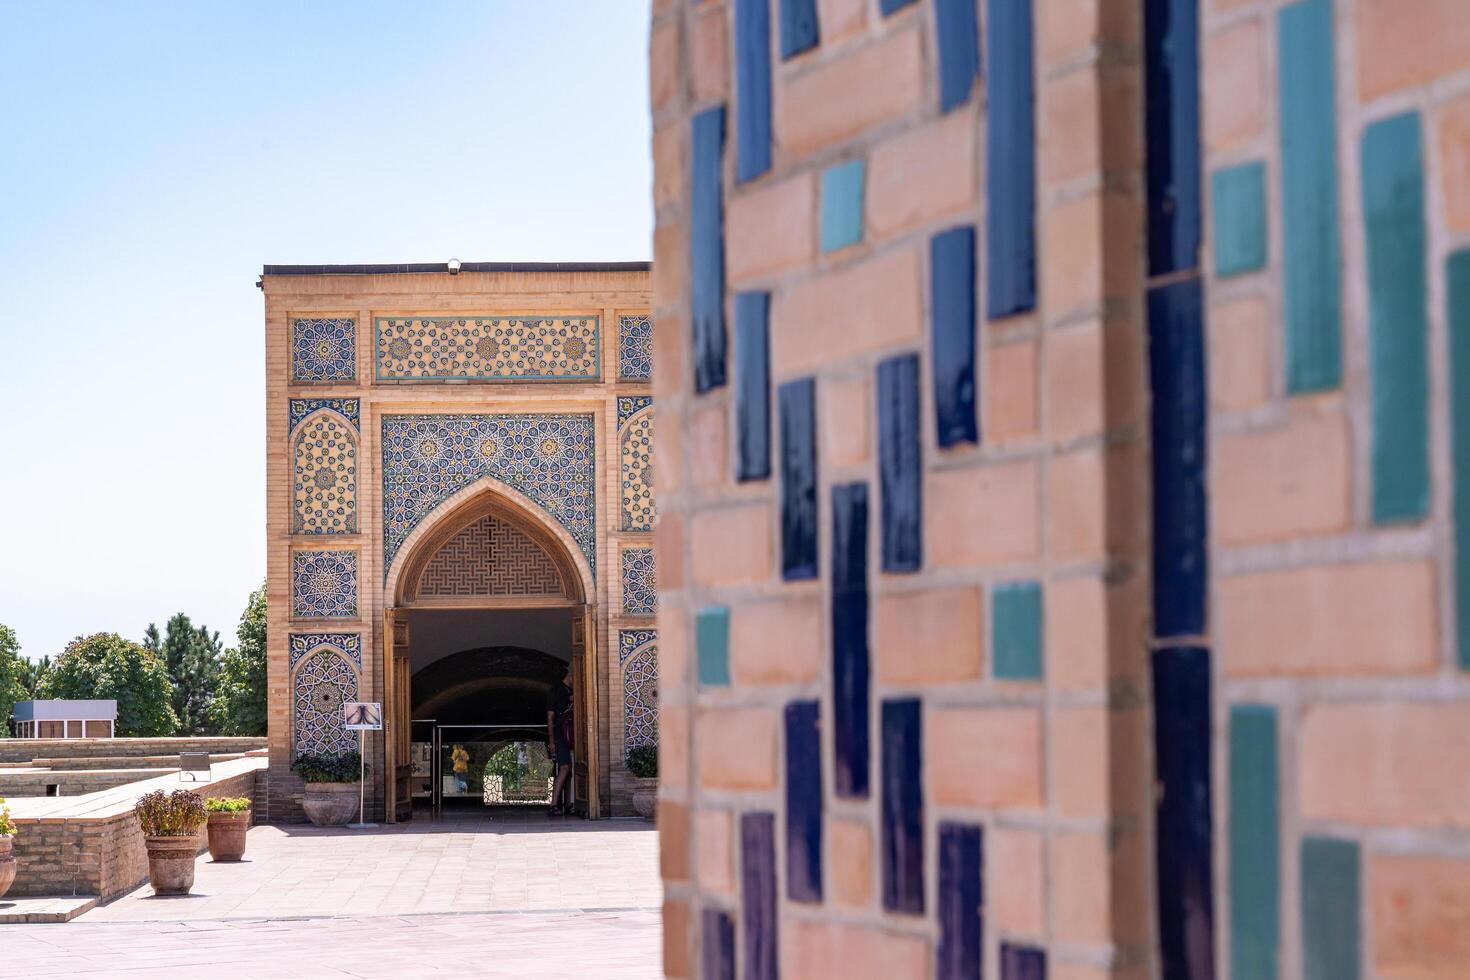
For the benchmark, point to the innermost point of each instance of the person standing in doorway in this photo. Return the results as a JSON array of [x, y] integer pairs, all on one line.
[[461, 760], [559, 730]]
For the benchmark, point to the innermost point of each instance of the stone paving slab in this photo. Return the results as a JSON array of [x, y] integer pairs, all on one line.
[[17, 910]]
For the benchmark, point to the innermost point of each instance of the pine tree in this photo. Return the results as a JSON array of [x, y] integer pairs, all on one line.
[[191, 655]]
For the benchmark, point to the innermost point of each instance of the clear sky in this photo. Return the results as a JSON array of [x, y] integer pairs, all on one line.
[[157, 154]]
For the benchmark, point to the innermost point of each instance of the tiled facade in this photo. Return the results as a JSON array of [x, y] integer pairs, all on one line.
[[1061, 487]]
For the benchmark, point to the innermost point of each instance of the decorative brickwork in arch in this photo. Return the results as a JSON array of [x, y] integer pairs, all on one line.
[[491, 557]]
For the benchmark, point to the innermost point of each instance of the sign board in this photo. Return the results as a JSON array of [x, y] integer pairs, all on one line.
[[362, 716]]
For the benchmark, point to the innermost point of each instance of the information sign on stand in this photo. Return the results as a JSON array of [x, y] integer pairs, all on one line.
[[362, 716]]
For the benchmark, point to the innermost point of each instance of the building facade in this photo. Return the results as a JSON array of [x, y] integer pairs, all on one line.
[[459, 471]]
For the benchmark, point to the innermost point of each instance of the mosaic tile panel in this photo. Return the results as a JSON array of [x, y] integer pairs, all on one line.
[[635, 348], [630, 640], [635, 435], [638, 651], [324, 682], [549, 458], [325, 483], [488, 348], [323, 584], [640, 586], [324, 349], [348, 408], [348, 644]]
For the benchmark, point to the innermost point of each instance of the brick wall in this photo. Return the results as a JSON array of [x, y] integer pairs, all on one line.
[[27, 750], [1057, 483]]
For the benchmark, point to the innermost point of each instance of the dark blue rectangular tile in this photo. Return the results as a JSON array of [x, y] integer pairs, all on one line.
[[1457, 287], [1171, 88], [1010, 160], [798, 27], [752, 386], [850, 655], [902, 807], [752, 89], [1331, 909], [707, 248], [893, 6], [716, 946], [1022, 962], [900, 463], [956, 34], [952, 329], [1255, 843], [1176, 358], [803, 802], [797, 401], [1182, 814], [758, 896], [961, 901]]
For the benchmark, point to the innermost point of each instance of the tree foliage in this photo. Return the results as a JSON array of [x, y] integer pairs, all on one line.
[[105, 665], [191, 654], [13, 669], [31, 673], [238, 705]]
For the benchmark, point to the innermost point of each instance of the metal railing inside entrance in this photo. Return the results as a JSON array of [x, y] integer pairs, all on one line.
[[465, 766]]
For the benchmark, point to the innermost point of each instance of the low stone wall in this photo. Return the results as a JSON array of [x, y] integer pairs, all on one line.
[[28, 749], [78, 782]]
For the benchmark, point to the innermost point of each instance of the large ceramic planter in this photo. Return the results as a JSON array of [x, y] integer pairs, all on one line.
[[645, 797], [227, 835], [7, 864], [330, 804], [171, 863]]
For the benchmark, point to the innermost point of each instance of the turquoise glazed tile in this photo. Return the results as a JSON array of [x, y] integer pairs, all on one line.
[[1393, 220], [712, 643], [1239, 198], [1255, 843], [1015, 631], [1457, 279], [1331, 909], [842, 205]]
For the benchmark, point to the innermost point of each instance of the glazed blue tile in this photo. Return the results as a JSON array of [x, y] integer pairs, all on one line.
[[900, 464], [893, 6], [902, 807], [797, 410], [1311, 259], [1457, 285], [803, 802], [842, 205], [1015, 631], [956, 35], [758, 896], [716, 946], [752, 89], [1171, 91], [1182, 814], [952, 329], [850, 655], [1022, 962], [1010, 160], [1331, 909], [707, 248], [1238, 195], [1255, 843], [752, 386], [961, 901], [1398, 284], [1177, 378], [798, 27], [712, 646]]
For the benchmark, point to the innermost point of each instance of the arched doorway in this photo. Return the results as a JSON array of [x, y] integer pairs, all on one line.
[[489, 604]]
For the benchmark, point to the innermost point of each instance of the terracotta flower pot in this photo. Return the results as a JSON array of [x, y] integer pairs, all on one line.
[[7, 864], [645, 797], [330, 804], [171, 863], [227, 835]]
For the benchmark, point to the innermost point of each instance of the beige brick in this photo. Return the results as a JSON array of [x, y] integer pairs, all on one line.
[[1454, 148], [737, 749], [982, 514], [673, 647], [668, 542], [930, 637], [1018, 901], [872, 306], [923, 175], [670, 250], [1074, 381], [714, 850], [669, 167], [709, 62], [1419, 909], [820, 951], [1076, 505], [1079, 747], [670, 374], [1234, 86], [673, 746], [1403, 43], [1009, 392], [1069, 28], [668, 457], [1398, 764], [771, 229], [1071, 125], [663, 64], [732, 545], [1081, 896], [1075, 633], [841, 19], [1282, 483], [1072, 238], [777, 641], [709, 455], [1006, 775], [673, 840], [676, 939], [843, 416], [1363, 618], [850, 856], [1240, 339], [854, 92]]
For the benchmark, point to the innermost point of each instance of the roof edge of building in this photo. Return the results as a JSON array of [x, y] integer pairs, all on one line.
[[409, 268]]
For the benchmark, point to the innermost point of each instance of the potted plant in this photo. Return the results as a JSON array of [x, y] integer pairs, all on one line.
[[229, 819], [331, 796], [7, 858], [643, 764], [170, 824]]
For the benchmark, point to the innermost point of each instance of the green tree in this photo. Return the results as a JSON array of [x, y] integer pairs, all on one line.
[[31, 673], [12, 676], [238, 705], [191, 654], [104, 665]]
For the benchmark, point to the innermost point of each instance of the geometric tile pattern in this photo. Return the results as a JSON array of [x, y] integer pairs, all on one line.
[[640, 687], [630, 640], [640, 587], [302, 407], [325, 483], [635, 435], [323, 584], [635, 348], [491, 557], [549, 458], [488, 348], [347, 644], [324, 350], [324, 681]]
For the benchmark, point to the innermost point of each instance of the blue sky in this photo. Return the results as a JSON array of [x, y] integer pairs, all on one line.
[[157, 154]]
